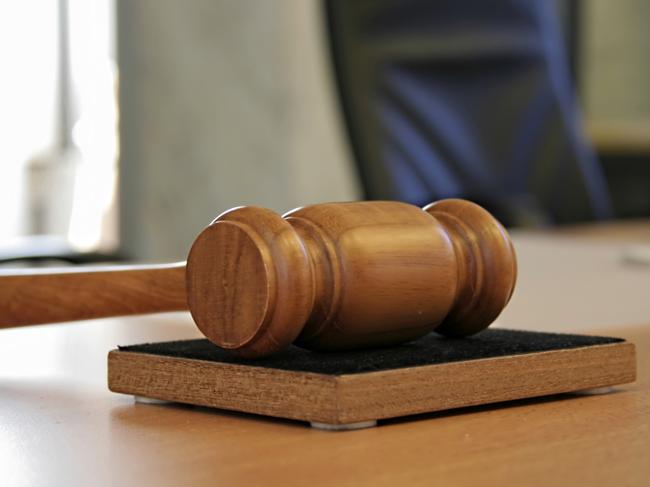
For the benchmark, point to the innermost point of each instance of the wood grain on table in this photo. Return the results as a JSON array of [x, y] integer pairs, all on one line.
[[59, 425]]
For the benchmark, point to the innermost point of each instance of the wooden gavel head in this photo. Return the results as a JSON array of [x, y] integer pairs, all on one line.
[[348, 275]]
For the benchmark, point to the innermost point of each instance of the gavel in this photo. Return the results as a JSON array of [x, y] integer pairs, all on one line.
[[332, 276]]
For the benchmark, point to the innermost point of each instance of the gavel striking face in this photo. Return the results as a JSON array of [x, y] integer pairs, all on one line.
[[330, 276], [348, 275]]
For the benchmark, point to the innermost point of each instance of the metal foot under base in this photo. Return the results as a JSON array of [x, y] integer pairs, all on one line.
[[149, 400], [343, 427]]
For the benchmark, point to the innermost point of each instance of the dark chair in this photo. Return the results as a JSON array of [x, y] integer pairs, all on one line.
[[465, 98]]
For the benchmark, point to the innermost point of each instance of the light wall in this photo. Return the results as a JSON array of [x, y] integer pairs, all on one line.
[[615, 67], [223, 103]]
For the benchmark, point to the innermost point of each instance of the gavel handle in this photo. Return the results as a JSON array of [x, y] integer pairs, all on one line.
[[30, 297]]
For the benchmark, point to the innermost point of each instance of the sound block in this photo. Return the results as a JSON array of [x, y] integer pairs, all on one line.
[[345, 390]]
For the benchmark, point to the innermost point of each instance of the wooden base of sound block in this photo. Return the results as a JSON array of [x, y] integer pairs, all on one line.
[[350, 390]]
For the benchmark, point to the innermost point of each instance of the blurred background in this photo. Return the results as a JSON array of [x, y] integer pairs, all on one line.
[[128, 126]]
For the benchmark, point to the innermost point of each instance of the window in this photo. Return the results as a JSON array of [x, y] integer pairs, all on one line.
[[58, 123]]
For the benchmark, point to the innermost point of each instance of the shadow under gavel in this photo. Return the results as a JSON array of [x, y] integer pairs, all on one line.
[[331, 276]]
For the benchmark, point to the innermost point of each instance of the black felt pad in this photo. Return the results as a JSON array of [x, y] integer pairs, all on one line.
[[429, 350]]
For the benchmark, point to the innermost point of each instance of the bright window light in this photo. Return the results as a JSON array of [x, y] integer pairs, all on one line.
[[58, 121]]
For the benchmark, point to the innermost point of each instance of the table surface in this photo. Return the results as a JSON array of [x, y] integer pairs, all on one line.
[[59, 425]]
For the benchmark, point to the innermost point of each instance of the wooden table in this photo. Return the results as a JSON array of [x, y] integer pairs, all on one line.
[[59, 425]]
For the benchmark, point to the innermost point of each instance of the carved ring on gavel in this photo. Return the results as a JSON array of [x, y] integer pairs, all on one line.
[[331, 276]]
